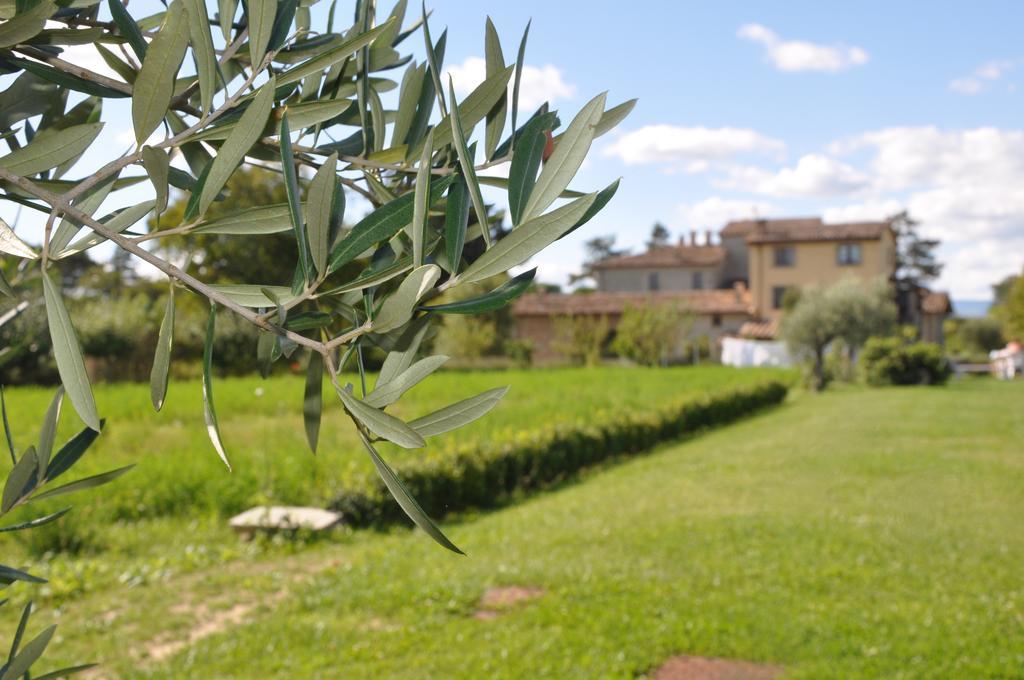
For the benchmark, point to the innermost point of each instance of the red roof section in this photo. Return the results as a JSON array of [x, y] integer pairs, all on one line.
[[668, 256], [804, 229], [599, 303], [935, 302]]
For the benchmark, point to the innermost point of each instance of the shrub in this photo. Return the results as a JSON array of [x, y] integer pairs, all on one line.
[[520, 352], [525, 461], [650, 335], [581, 339], [888, 361]]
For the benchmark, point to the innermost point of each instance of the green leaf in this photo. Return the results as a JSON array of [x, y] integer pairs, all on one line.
[[7, 426], [374, 277], [381, 225], [162, 356], [434, 58], [29, 654], [158, 167], [421, 202], [520, 60], [20, 632], [116, 222], [266, 219], [154, 87], [522, 173], [468, 171], [209, 414], [68, 355], [404, 351], [5, 285], [12, 245], [27, 24], [291, 185], [202, 49], [50, 149], [405, 499], [85, 483], [456, 220], [458, 414], [380, 423], [332, 56], [527, 240], [475, 106], [67, 80], [226, 16], [319, 209], [301, 115], [399, 306], [23, 478], [603, 196], [313, 400], [488, 302], [49, 431], [128, 28], [9, 575], [238, 143], [65, 672], [70, 453], [388, 393], [260, 17], [38, 522], [495, 63], [566, 158], [408, 97], [127, 73], [613, 116], [88, 203], [253, 295]]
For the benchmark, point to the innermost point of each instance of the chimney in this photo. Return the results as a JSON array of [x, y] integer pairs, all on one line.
[[682, 240], [693, 237], [708, 238]]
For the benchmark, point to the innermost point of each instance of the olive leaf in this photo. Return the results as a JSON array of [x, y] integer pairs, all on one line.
[[154, 86]]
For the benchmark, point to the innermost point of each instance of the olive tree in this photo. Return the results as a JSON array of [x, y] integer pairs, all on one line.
[[215, 88]]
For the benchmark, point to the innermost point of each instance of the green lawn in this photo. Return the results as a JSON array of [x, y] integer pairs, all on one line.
[[179, 473], [857, 534]]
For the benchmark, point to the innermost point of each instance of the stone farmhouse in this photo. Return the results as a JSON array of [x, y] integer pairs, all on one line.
[[735, 286]]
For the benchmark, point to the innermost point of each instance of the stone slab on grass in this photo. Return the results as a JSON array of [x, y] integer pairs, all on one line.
[[283, 518]]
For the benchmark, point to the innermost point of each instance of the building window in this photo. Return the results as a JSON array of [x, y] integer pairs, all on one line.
[[716, 320], [653, 281], [785, 256], [778, 296], [848, 254], [698, 280]]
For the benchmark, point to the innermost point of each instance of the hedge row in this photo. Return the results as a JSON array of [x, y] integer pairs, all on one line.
[[477, 477]]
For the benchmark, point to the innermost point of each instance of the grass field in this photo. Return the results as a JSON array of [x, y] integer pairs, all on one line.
[[856, 534], [179, 474]]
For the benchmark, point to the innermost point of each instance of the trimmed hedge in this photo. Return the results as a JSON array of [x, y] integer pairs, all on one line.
[[477, 477], [888, 361]]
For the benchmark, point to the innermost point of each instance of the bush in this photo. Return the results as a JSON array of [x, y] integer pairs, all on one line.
[[888, 361], [484, 476], [581, 339], [651, 335], [520, 352]]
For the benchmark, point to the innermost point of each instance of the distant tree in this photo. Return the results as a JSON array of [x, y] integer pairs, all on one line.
[[1010, 310], [847, 311], [973, 337], [581, 339], [1002, 288], [660, 236], [648, 334], [916, 262], [597, 249]]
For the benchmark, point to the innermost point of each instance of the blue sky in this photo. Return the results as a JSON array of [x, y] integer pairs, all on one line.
[[885, 106], [845, 110]]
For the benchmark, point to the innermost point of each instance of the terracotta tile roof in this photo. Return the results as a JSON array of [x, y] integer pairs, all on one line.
[[748, 227], [696, 301], [760, 330], [803, 229], [935, 302], [668, 256]]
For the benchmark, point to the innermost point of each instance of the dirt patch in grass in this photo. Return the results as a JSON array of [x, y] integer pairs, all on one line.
[[496, 601], [704, 668]]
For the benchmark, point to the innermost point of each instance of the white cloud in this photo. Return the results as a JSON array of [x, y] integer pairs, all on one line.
[[982, 77], [813, 175], [537, 84], [713, 212], [798, 55], [693, 146]]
